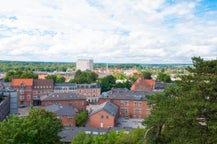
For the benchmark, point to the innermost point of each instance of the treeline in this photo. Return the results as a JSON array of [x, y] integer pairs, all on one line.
[[35, 66]]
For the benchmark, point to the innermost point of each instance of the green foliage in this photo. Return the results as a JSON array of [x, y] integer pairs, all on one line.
[[186, 113], [146, 75], [19, 74], [85, 77], [39, 127], [35, 66], [81, 118], [163, 77], [56, 78], [107, 83], [113, 137], [120, 76]]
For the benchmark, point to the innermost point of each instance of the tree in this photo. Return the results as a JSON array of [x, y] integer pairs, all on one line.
[[146, 75], [85, 77], [186, 113], [163, 77], [56, 78], [81, 118], [113, 137], [107, 83], [39, 127], [19, 74]]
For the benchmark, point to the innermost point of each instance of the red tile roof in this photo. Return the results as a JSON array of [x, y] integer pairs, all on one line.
[[17, 82], [142, 84]]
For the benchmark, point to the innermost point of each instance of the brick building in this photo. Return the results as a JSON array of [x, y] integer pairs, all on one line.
[[130, 103], [104, 116], [90, 91], [78, 102], [31, 91], [24, 88], [64, 112], [41, 89]]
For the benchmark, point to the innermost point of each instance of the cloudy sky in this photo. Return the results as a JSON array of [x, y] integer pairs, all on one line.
[[111, 31]]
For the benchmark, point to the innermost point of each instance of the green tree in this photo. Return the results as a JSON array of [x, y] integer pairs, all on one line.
[[84, 77], [39, 127], [19, 74], [81, 118], [107, 83], [113, 137], [163, 77], [187, 112], [146, 75], [56, 78]]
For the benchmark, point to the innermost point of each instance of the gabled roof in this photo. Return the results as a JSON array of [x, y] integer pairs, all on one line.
[[17, 82], [64, 96], [142, 84], [109, 107], [61, 110]]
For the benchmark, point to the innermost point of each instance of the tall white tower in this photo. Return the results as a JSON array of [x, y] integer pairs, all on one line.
[[84, 64]]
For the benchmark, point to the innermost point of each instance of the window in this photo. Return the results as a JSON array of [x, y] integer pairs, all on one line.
[[28, 97], [69, 118], [126, 103], [135, 103], [140, 111], [21, 91], [102, 116], [22, 97], [140, 104], [122, 103], [107, 117]]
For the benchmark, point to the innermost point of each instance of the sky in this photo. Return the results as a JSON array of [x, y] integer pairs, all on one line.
[[108, 31]]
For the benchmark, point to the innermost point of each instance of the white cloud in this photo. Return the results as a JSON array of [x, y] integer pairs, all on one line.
[[140, 31]]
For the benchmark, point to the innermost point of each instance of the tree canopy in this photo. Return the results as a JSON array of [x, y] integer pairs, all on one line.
[[85, 77], [164, 77], [187, 112], [113, 137], [56, 78], [39, 127], [19, 74]]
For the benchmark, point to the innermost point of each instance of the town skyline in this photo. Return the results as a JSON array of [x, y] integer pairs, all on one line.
[[140, 32]]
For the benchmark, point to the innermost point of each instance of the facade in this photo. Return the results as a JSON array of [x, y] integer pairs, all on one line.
[[24, 88], [4, 106], [64, 112], [130, 103], [104, 116], [90, 91], [41, 89], [31, 91], [76, 101], [84, 64], [5, 90]]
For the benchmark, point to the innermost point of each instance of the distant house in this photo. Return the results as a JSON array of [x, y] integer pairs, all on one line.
[[142, 84], [104, 116], [130, 103], [64, 112], [74, 100]]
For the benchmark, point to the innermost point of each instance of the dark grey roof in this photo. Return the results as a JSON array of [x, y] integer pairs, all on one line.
[[65, 84], [159, 85], [109, 107], [93, 85], [64, 96], [125, 94], [68, 133], [61, 110]]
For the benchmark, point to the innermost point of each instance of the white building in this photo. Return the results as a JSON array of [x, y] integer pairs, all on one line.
[[84, 64]]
